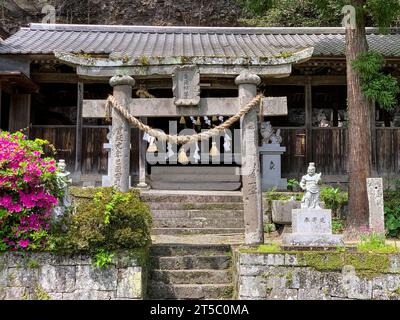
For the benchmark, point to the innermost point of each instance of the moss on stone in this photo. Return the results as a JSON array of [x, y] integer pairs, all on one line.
[[32, 264], [367, 265], [40, 294], [263, 248], [289, 279], [143, 60]]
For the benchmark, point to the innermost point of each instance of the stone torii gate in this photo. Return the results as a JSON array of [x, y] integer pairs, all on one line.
[[187, 102]]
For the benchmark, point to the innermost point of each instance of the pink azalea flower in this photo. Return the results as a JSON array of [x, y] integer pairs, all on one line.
[[23, 243]]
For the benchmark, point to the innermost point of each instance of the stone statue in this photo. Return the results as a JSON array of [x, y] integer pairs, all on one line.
[[63, 181], [309, 183], [268, 134], [276, 137]]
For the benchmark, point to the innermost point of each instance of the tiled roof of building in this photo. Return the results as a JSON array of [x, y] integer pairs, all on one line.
[[153, 41]]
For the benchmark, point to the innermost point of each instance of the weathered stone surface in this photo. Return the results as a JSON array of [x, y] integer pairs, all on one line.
[[95, 278], [89, 295], [312, 294], [282, 210], [121, 134], [375, 202], [186, 85], [271, 167], [57, 278], [21, 277], [295, 280], [15, 293], [312, 240], [252, 259], [130, 283], [275, 259], [252, 287], [283, 294]]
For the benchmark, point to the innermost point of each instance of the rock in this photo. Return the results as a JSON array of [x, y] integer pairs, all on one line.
[[57, 278], [282, 210], [130, 283], [95, 278]]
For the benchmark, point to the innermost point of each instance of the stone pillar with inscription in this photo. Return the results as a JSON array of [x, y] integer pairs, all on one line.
[[121, 134], [252, 195], [376, 207]]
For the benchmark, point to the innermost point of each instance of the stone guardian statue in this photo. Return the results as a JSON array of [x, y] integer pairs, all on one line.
[[309, 183]]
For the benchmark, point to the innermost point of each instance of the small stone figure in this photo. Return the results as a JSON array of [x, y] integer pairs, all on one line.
[[266, 132], [276, 137], [64, 182], [309, 183]]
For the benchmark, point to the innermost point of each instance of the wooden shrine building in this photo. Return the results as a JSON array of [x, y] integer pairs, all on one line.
[[48, 80]]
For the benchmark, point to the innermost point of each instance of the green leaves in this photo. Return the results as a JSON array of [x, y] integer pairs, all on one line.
[[376, 85], [383, 13], [103, 259]]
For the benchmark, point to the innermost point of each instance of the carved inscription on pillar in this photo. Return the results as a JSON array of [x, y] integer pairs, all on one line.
[[186, 85]]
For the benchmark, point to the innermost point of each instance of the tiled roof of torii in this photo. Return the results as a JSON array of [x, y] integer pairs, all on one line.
[[154, 41]]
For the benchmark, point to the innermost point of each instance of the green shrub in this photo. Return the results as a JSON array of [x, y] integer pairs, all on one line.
[[334, 199], [375, 243], [104, 219], [392, 212]]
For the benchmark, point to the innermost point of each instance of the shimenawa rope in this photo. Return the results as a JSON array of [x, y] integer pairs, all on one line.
[[112, 102]]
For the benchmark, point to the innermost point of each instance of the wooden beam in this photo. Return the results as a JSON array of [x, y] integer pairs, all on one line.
[[165, 107], [79, 122]]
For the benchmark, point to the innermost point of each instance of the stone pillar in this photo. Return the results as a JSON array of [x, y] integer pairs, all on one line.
[[142, 158], [252, 196], [376, 205], [121, 134]]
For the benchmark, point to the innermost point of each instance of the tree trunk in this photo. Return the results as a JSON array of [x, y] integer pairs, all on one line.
[[359, 159]]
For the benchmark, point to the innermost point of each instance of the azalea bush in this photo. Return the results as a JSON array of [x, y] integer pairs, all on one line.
[[28, 192]]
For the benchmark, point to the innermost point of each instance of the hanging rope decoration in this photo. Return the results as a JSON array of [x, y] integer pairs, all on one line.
[[206, 135]]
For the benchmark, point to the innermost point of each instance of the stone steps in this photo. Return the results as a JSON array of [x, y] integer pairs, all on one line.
[[166, 250], [191, 197], [212, 214], [195, 212], [206, 206], [198, 223], [190, 262], [192, 276], [184, 271], [190, 291], [188, 231]]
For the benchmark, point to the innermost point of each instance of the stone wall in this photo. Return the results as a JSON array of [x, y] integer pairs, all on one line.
[[318, 276], [43, 276]]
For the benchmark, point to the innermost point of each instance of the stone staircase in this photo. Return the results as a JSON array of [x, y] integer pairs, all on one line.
[[184, 271], [195, 212]]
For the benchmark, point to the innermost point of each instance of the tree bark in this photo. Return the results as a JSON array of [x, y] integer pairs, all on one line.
[[359, 159]]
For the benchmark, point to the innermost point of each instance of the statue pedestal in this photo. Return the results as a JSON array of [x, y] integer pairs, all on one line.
[[311, 228], [271, 166]]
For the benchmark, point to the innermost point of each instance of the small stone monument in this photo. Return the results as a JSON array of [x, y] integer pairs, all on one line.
[[271, 152], [375, 201], [311, 225], [63, 181]]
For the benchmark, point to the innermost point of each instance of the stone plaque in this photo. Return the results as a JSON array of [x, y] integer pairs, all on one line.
[[311, 221], [186, 85]]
